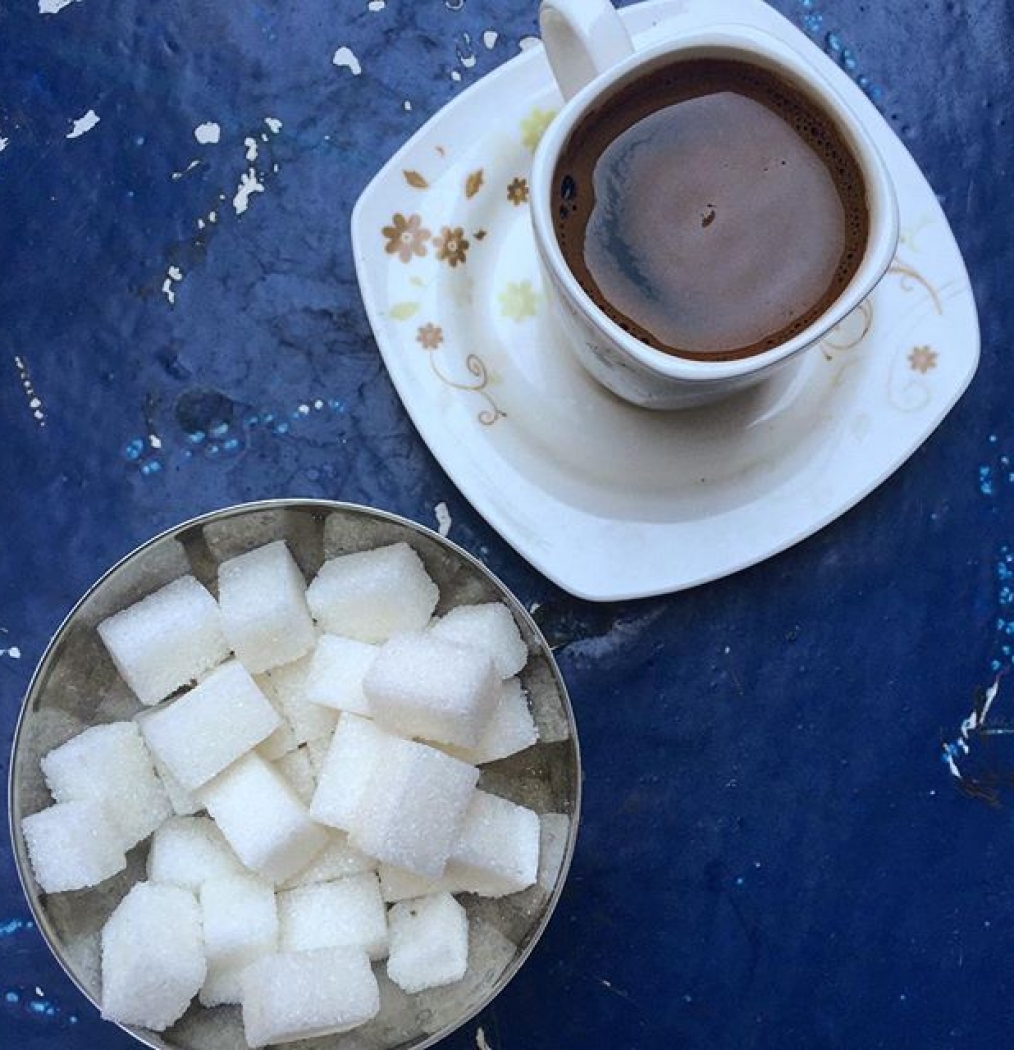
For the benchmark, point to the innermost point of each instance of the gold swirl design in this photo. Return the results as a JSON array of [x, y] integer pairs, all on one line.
[[864, 311], [477, 368], [909, 277]]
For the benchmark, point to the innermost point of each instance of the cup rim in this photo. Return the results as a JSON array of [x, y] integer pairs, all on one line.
[[748, 44]]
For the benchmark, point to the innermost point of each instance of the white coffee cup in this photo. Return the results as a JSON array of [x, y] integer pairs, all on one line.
[[591, 55]]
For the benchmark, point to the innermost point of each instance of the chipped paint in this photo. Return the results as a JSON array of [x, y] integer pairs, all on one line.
[[345, 58], [3, 144], [376, 5], [443, 516], [489, 38], [248, 186], [173, 276], [274, 124], [251, 148], [208, 134], [54, 7], [82, 125], [35, 405]]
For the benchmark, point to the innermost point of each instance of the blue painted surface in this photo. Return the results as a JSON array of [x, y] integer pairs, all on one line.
[[775, 852]]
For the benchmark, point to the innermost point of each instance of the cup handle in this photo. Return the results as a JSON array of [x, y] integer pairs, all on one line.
[[583, 38]]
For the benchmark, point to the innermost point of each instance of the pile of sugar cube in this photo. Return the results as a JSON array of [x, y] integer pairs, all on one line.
[[305, 757]]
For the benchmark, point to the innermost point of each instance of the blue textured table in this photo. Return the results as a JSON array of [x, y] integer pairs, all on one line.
[[776, 851]]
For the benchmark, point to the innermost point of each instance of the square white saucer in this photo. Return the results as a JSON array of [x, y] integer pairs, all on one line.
[[607, 500]]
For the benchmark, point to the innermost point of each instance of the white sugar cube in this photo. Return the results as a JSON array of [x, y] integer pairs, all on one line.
[[109, 764], [317, 750], [211, 726], [166, 640], [333, 914], [429, 942], [184, 803], [187, 851], [396, 884], [265, 617], [296, 768], [263, 819], [335, 676], [223, 985], [497, 851], [282, 740], [152, 957], [301, 995], [420, 685], [308, 721], [72, 845], [240, 920], [489, 627], [346, 773], [413, 807], [337, 860], [510, 730], [371, 595]]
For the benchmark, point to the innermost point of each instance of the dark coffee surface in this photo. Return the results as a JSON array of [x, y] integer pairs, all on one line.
[[710, 209]]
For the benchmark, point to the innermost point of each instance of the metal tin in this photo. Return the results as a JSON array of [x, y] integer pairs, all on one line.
[[76, 685]]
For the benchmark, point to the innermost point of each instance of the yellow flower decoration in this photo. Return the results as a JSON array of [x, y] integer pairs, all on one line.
[[533, 127], [519, 300]]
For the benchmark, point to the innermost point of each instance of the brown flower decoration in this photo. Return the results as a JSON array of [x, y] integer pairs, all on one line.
[[406, 237], [922, 359], [429, 336], [451, 245], [517, 191]]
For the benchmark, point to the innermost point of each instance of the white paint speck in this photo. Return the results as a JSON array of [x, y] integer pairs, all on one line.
[[200, 224], [3, 144], [443, 516], [376, 5], [303, 410], [84, 124], [175, 273], [208, 134], [53, 7], [251, 149], [456, 76], [189, 168], [172, 276], [406, 106], [248, 186], [274, 124], [345, 57], [480, 1039], [14, 653], [154, 440], [489, 38], [528, 41], [318, 404], [34, 401], [212, 216]]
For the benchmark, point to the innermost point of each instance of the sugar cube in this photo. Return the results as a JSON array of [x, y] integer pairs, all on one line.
[[348, 911], [72, 845], [497, 851], [166, 640], [347, 770], [265, 617], [396, 884], [335, 676], [308, 721], [429, 942], [152, 957], [371, 595], [110, 765], [263, 819], [420, 685], [184, 803], [296, 768], [510, 730], [317, 750], [211, 726], [338, 859], [301, 995], [489, 627], [282, 740], [240, 922], [187, 851], [413, 807]]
